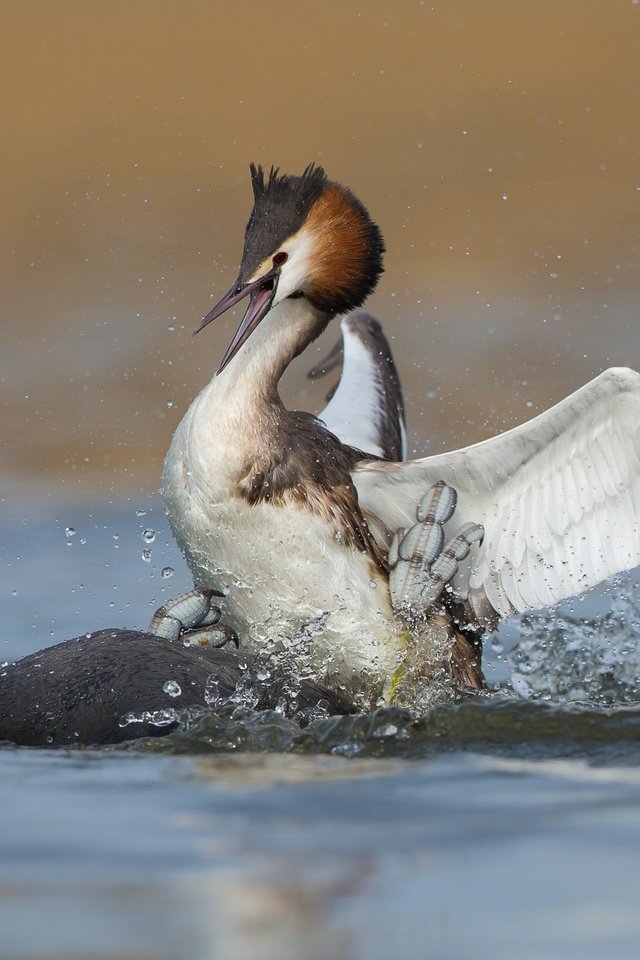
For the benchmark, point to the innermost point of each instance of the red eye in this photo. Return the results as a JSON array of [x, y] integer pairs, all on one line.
[[280, 258]]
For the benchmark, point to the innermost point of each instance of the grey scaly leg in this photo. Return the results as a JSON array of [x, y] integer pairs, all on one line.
[[420, 562], [193, 618]]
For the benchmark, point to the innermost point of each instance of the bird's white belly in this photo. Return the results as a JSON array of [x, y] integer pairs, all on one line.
[[291, 586]]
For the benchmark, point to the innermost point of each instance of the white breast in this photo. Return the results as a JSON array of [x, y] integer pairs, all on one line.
[[290, 582]]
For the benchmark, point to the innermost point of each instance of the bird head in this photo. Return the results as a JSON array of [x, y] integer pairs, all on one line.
[[306, 237]]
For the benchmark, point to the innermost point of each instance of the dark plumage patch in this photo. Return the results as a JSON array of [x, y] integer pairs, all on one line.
[[78, 691], [466, 653], [302, 462], [281, 205]]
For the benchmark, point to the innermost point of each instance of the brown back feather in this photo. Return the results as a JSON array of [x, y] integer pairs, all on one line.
[[304, 463]]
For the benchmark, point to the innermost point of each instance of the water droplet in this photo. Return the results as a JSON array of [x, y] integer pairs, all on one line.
[[148, 535], [157, 718], [386, 730], [212, 694], [346, 749], [140, 512], [146, 556], [173, 688], [167, 572]]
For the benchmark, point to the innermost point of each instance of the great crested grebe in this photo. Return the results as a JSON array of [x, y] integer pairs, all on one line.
[[301, 520]]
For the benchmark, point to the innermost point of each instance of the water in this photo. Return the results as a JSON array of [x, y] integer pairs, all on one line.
[[497, 827], [315, 857]]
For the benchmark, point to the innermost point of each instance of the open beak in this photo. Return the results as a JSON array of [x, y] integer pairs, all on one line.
[[261, 293]]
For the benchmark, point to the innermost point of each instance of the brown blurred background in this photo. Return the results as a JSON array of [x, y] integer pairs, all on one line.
[[497, 144]]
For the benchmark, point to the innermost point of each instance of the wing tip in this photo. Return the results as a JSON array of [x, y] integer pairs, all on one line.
[[625, 378]]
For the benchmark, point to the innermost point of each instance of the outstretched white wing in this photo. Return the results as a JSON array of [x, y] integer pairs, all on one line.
[[365, 410], [559, 498]]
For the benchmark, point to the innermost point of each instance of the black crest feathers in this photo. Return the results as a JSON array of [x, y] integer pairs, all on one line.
[[281, 205], [298, 193]]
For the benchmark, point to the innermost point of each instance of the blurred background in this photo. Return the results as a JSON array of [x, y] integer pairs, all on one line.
[[496, 144]]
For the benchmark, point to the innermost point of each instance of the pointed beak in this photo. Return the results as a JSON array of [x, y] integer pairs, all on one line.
[[261, 293]]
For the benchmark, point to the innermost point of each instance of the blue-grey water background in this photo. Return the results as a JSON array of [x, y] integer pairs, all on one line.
[[497, 145]]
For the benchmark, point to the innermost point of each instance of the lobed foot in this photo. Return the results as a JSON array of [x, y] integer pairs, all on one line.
[[193, 618], [420, 562]]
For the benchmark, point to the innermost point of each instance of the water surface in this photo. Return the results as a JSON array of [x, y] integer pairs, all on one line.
[[498, 827]]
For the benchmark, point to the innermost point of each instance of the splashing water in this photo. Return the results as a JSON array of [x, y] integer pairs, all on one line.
[[559, 658], [268, 683], [157, 718], [565, 658], [173, 688]]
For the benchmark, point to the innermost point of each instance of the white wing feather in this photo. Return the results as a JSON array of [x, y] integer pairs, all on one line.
[[366, 410], [559, 498]]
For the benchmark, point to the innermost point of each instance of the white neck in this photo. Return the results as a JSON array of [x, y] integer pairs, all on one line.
[[255, 371]]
